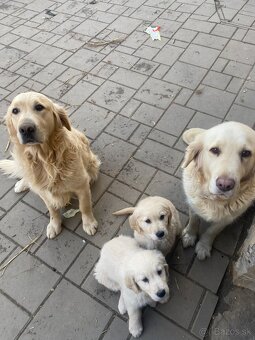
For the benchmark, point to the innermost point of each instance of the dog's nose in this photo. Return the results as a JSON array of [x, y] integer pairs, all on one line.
[[160, 234], [225, 184], [161, 293], [27, 129]]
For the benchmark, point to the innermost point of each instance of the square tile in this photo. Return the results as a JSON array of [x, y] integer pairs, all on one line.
[[121, 127], [84, 60], [147, 114], [44, 54], [168, 55], [200, 56], [128, 78], [79, 93]]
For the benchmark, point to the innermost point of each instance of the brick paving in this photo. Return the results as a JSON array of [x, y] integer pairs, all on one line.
[[133, 100]]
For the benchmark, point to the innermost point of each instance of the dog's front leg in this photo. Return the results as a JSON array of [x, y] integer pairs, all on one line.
[[135, 321], [121, 305], [190, 233], [54, 227], [85, 205], [204, 245], [21, 186]]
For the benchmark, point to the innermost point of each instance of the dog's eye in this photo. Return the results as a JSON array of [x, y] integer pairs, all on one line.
[[148, 220], [15, 111], [39, 107], [215, 151], [159, 272], [161, 217], [246, 153], [145, 280]]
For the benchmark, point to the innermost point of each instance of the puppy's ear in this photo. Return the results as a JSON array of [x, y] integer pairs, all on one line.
[[131, 284], [192, 153], [61, 117], [134, 223], [190, 135], [174, 218]]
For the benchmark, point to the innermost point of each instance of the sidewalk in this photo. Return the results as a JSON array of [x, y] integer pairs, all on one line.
[[133, 100]]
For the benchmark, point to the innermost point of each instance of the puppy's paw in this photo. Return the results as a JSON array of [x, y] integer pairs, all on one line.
[[90, 227], [187, 239], [203, 250], [21, 186], [135, 330], [52, 231], [122, 308]]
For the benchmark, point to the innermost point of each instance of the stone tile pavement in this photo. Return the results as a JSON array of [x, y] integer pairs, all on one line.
[[133, 100]]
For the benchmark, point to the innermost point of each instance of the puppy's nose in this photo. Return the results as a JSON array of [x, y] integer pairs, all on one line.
[[161, 293], [225, 183], [160, 234], [27, 129]]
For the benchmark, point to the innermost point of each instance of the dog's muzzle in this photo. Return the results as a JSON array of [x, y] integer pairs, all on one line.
[[27, 132]]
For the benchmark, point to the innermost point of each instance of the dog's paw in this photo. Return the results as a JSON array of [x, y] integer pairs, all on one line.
[[135, 330], [187, 239], [90, 227], [203, 250], [21, 186], [122, 308], [53, 231]]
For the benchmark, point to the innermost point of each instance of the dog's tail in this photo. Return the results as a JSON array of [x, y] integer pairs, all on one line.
[[10, 168], [124, 211], [190, 135]]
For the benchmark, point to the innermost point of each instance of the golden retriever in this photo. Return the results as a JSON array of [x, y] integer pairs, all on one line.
[[155, 222], [140, 275], [218, 179], [52, 159]]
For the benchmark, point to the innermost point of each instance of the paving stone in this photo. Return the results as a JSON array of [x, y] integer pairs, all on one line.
[[224, 30], [124, 192], [147, 114], [71, 309], [185, 75], [90, 27], [168, 55], [121, 59], [219, 64], [241, 114], [83, 264], [29, 224], [147, 13], [70, 7], [79, 93], [124, 24], [235, 85], [237, 69], [140, 134], [25, 31], [197, 25], [204, 315], [185, 35], [49, 73], [169, 187], [151, 94], [9, 56], [118, 329], [217, 80], [199, 55], [203, 121], [108, 224], [28, 281], [38, 6], [6, 247], [136, 174], [84, 60], [159, 156], [184, 298], [209, 273], [10, 199], [145, 66], [128, 78], [240, 52], [99, 187], [24, 44], [183, 96], [156, 326], [12, 318], [210, 40], [112, 96], [130, 108], [29, 69], [5, 185], [121, 127], [162, 137], [56, 89], [204, 101], [40, 57], [246, 98], [60, 252], [181, 258], [175, 119]]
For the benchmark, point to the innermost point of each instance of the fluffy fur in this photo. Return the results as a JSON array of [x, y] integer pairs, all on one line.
[[52, 159], [225, 152], [140, 275], [155, 222]]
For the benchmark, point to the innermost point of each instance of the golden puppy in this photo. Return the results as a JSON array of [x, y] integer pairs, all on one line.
[[218, 179], [51, 158], [155, 222]]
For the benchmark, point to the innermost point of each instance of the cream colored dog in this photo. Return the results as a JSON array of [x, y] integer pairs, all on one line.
[[140, 275], [155, 222], [51, 158], [218, 179]]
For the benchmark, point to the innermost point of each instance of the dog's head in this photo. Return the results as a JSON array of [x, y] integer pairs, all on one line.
[[32, 118], [152, 217], [148, 272], [224, 155]]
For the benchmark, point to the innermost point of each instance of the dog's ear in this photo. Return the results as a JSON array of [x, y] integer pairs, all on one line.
[[134, 223], [190, 135], [131, 284], [192, 153], [61, 117], [174, 218]]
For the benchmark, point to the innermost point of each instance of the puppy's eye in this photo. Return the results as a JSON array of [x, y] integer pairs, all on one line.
[[215, 151], [145, 280], [148, 220], [246, 153], [39, 107], [15, 111], [159, 272], [161, 217]]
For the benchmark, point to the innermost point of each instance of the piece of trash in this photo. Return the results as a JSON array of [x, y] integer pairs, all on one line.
[[153, 31], [104, 43], [71, 213], [93, 2], [50, 13], [83, 241]]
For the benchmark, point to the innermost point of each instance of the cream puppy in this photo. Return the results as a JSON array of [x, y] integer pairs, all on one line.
[[155, 222], [140, 275]]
